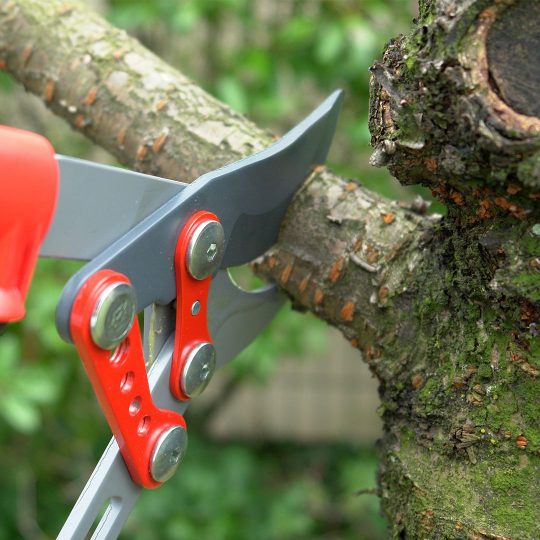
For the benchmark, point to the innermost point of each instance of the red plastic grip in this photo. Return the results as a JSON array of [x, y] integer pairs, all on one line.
[[190, 330], [28, 192], [120, 382]]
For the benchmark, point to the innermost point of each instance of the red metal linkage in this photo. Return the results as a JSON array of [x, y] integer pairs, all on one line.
[[120, 382], [190, 330], [28, 191]]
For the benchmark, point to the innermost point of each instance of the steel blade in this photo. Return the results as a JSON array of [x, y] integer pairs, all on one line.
[[97, 204], [250, 198]]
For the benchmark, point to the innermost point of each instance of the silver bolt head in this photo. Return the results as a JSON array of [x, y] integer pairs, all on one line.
[[195, 308], [205, 249], [113, 315], [198, 369], [168, 453]]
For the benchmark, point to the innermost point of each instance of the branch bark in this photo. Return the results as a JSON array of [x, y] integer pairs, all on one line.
[[446, 313]]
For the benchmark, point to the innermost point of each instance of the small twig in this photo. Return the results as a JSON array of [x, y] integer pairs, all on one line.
[[366, 491]]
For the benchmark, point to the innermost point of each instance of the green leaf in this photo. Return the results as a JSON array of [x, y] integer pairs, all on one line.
[[37, 385], [10, 352], [297, 31], [185, 17], [20, 413], [330, 43], [6, 82], [232, 92]]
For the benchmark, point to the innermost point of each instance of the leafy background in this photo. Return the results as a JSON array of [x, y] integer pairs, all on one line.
[[273, 61]]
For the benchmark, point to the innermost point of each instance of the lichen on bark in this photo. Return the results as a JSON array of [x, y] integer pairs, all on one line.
[[463, 444]]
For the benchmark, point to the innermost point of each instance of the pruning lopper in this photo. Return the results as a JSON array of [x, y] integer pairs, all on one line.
[[154, 245]]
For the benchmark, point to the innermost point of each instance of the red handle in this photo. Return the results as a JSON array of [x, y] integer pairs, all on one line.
[[120, 383], [28, 191]]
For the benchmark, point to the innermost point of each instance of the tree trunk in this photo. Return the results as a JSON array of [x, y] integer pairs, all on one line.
[[446, 312]]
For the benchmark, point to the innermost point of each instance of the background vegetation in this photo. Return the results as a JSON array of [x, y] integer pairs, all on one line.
[[273, 61]]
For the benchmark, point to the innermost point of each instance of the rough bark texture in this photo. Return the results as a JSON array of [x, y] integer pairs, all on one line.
[[446, 312]]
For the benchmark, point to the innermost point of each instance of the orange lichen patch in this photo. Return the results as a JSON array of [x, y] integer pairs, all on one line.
[[141, 152], [517, 211], [286, 273], [417, 381], [65, 9], [347, 311], [304, 283], [335, 270], [516, 357], [27, 52], [383, 293], [512, 189], [119, 54], [350, 186], [457, 197], [503, 203], [90, 96], [318, 296], [431, 164], [121, 136], [528, 313], [82, 121], [3, 64], [529, 369], [371, 254], [521, 442], [474, 399], [369, 352], [438, 191], [48, 90], [483, 209], [161, 104], [388, 218], [159, 141]]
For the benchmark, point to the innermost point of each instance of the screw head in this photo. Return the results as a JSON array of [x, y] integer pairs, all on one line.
[[168, 453], [198, 369], [205, 249], [113, 315], [195, 308]]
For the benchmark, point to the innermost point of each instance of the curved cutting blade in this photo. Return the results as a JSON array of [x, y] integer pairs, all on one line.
[[250, 198]]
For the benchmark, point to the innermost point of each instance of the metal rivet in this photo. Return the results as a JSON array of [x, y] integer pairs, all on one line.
[[195, 308], [113, 315], [198, 369], [205, 249], [168, 453]]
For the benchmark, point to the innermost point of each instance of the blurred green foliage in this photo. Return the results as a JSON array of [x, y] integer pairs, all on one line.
[[273, 61]]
